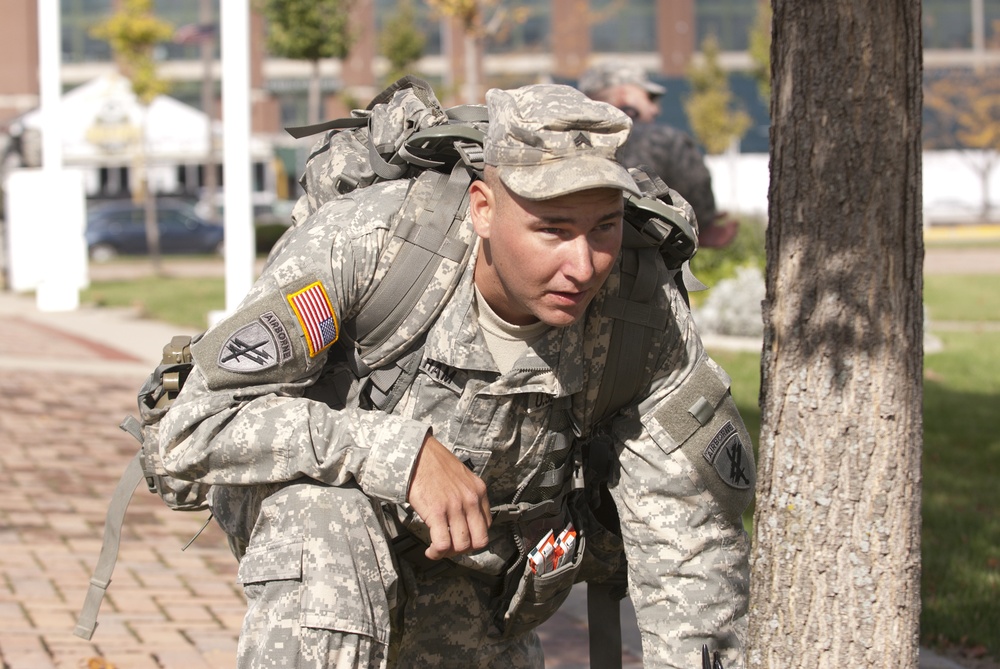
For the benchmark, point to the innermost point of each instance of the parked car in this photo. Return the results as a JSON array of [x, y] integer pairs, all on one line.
[[118, 228]]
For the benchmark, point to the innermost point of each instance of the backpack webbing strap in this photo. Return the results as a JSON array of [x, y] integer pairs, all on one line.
[[298, 132], [420, 87], [429, 237], [387, 385], [383, 167], [635, 322], [99, 582]]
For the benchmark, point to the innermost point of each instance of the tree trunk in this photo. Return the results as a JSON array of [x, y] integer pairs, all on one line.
[[836, 555], [314, 101], [144, 195], [471, 87], [206, 16], [152, 226]]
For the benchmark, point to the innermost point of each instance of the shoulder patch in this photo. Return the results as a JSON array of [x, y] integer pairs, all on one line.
[[316, 317], [259, 345], [727, 453]]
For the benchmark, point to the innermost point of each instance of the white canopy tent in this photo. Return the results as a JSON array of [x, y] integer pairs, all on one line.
[[101, 124]]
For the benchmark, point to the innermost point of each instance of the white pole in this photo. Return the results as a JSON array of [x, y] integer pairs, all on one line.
[[62, 252], [238, 214], [49, 78]]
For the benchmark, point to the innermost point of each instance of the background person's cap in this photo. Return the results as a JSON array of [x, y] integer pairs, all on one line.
[[547, 140], [606, 74]]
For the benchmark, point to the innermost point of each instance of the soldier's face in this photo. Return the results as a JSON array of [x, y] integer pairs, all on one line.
[[544, 260]]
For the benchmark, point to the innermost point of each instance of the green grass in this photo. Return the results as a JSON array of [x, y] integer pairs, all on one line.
[[960, 581], [177, 300], [961, 517], [962, 243], [962, 298]]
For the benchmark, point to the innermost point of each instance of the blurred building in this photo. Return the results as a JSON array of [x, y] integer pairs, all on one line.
[[527, 41]]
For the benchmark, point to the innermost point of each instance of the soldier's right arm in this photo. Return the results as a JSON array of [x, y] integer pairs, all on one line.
[[244, 415]]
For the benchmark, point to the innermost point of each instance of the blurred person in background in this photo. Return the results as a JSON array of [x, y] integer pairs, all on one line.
[[670, 152]]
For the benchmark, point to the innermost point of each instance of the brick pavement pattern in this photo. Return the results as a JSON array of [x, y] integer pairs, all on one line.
[[62, 455]]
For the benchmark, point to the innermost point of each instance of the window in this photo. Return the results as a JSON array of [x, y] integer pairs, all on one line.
[[627, 27], [730, 21]]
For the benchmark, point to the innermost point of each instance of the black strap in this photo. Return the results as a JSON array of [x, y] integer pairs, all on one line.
[[604, 625]]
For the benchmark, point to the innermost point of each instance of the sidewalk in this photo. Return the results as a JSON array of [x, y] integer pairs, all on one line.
[[66, 380]]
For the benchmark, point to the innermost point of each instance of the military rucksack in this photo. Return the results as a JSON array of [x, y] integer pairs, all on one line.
[[406, 134]]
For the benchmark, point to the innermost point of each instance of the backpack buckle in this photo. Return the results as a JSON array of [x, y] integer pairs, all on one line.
[[663, 226]]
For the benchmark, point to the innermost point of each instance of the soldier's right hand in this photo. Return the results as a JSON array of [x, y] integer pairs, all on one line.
[[451, 499]]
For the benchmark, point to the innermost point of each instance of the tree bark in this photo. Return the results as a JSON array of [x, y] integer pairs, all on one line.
[[836, 555]]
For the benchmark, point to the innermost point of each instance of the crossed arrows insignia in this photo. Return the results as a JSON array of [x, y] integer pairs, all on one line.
[[238, 348]]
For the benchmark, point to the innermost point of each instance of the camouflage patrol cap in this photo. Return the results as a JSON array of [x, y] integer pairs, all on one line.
[[547, 140], [610, 73]]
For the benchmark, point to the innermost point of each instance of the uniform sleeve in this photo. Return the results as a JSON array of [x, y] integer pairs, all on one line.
[[262, 405], [686, 476]]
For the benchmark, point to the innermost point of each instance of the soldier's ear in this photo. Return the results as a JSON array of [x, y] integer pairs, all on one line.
[[482, 207]]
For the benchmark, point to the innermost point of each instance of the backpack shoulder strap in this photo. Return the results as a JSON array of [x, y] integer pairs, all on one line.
[[431, 245], [655, 228]]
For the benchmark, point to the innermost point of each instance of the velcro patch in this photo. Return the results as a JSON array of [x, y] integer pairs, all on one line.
[[727, 453], [315, 313], [259, 345]]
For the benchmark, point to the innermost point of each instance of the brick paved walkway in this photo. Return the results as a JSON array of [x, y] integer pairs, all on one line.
[[61, 457], [63, 391]]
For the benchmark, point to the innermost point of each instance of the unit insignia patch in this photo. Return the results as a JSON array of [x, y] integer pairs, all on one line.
[[260, 345], [727, 453]]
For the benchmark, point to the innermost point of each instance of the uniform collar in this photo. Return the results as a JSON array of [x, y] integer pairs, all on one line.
[[553, 364]]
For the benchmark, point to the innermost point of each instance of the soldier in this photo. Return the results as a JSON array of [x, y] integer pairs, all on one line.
[[404, 538], [671, 153]]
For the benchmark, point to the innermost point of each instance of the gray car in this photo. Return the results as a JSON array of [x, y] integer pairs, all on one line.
[[119, 228]]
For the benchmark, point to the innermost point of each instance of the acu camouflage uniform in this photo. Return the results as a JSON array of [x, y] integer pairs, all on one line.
[[314, 487]]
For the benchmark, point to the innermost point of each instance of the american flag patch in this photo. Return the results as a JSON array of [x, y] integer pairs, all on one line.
[[312, 307]]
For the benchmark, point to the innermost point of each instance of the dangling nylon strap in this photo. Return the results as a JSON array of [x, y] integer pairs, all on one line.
[[130, 480]]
